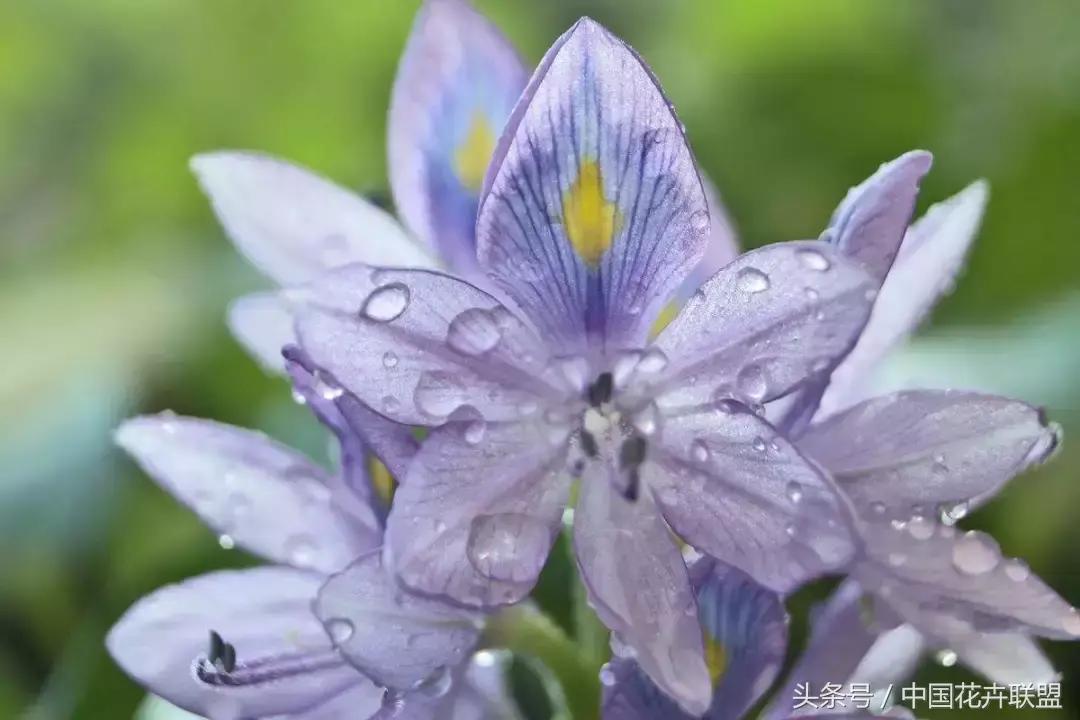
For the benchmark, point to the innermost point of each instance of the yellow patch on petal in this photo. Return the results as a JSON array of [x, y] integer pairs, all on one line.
[[474, 153], [715, 658], [667, 314], [381, 480], [590, 220]]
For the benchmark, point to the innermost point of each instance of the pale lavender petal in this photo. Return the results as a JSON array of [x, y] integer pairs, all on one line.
[[263, 324], [1005, 658], [722, 247], [457, 83], [293, 224], [637, 582], [747, 626], [361, 701], [418, 345], [870, 223], [914, 451], [269, 499], [284, 662], [478, 511], [931, 572], [593, 213], [765, 323], [929, 260], [734, 488], [360, 430], [629, 694], [397, 639], [853, 638]]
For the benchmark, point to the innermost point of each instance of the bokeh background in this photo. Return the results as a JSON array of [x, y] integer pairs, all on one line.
[[114, 275]]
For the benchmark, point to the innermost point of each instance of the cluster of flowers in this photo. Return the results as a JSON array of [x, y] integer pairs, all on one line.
[[567, 314]]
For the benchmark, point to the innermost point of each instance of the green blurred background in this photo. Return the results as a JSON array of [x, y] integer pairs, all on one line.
[[114, 275]]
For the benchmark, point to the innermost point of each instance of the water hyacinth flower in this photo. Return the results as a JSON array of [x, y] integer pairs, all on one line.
[[914, 463], [250, 643], [591, 217]]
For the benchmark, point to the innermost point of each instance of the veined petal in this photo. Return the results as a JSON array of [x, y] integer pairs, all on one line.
[[1005, 658], [935, 573], [283, 659], [263, 324], [926, 448], [765, 323], [722, 247], [269, 499], [733, 487], [361, 701], [478, 511], [629, 694], [870, 223], [593, 213], [746, 632], [292, 224], [418, 345], [397, 639], [637, 581], [929, 259], [360, 431], [457, 83]]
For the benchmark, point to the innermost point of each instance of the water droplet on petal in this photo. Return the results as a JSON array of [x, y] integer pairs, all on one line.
[[794, 492], [653, 361], [226, 541], [386, 303], [298, 397], [813, 260], [951, 514], [920, 528], [699, 220], [437, 685], [503, 546], [340, 629], [607, 676], [624, 367], [758, 444], [474, 431], [752, 280], [301, 549], [647, 420], [1017, 570], [975, 553], [752, 383], [389, 359], [877, 507], [439, 393], [473, 332], [946, 658], [699, 451], [811, 294]]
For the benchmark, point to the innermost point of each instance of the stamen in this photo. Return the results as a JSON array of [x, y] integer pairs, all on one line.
[[217, 648], [588, 444], [600, 391], [228, 658], [227, 672]]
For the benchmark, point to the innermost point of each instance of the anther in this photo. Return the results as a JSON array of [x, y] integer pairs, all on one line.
[[600, 390], [228, 658], [217, 648], [588, 444], [632, 453]]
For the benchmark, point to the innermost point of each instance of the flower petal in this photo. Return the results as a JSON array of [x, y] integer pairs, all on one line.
[[629, 694], [734, 488], [397, 639], [263, 324], [931, 573], [457, 83], [638, 584], [746, 629], [269, 499], [765, 323], [722, 247], [929, 259], [1005, 658], [925, 448], [360, 430], [284, 661], [593, 213], [356, 701], [478, 511], [293, 224], [870, 223], [417, 345]]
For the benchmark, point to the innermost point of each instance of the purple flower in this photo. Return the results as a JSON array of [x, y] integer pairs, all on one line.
[[913, 463], [246, 643], [591, 217]]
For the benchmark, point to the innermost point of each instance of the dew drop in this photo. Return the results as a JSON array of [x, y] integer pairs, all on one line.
[[752, 280], [298, 397], [951, 514], [340, 629], [607, 676], [437, 685], [975, 554], [920, 528], [474, 431], [226, 541], [877, 507], [386, 303], [647, 420], [752, 383], [389, 359], [438, 393], [473, 332], [794, 492], [758, 444], [498, 545], [699, 451], [897, 559], [653, 361], [813, 260], [946, 658], [699, 220], [1017, 570], [811, 294]]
